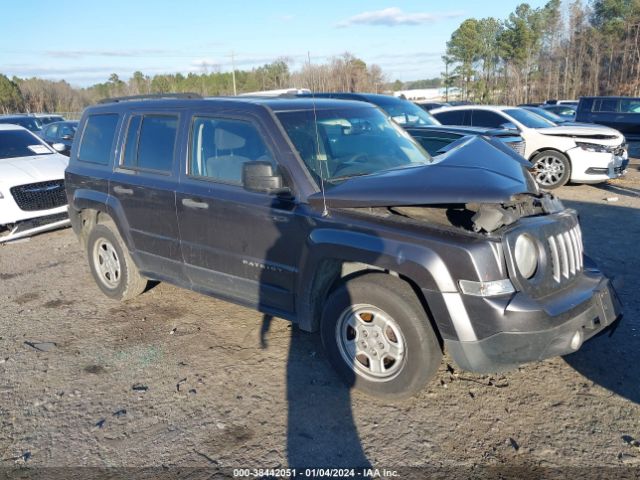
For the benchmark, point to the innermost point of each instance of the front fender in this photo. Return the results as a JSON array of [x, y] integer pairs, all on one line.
[[419, 264]]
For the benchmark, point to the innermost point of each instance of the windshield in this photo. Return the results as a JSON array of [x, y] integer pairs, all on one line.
[[552, 117], [408, 114], [529, 119], [340, 143], [18, 143], [30, 123]]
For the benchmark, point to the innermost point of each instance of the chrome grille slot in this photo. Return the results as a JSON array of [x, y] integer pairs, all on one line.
[[555, 259], [566, 253]]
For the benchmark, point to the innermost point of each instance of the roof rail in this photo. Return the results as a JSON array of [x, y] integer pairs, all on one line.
[[151, 96]]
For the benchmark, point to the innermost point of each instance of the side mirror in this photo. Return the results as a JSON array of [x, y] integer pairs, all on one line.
[[67, 137], [509, 126], [260, 177], [59, 147]]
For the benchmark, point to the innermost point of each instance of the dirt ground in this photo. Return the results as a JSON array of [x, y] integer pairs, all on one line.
[[175, 378]]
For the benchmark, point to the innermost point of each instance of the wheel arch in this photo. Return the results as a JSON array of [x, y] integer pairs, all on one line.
[[327, 265]]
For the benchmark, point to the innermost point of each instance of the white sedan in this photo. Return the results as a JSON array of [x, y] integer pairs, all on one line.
[[577, 153], [32, 194]]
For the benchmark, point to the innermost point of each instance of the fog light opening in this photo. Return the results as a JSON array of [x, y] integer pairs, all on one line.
[[576, 340]]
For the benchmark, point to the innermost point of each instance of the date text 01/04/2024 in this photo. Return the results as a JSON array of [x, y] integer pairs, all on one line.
[[314, 473]]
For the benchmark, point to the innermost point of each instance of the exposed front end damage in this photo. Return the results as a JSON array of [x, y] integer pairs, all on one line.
[[482, 217], [506, 279]]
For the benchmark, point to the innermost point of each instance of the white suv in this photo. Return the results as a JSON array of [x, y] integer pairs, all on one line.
[[32, 194], [577, 153]]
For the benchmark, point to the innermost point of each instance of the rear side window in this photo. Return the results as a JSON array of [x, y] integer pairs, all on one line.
[[97, 138], [485, 118], [221, 147], [606, 105], [52, 131], [452, 117], [150, 142], [630, 105]]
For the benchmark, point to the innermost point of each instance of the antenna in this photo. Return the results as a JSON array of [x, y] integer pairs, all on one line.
[[233, 72], [325, 210]]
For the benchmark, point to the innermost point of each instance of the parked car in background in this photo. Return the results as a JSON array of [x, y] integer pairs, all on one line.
[[437, 139], [32, 194], [581, 154], [413, 119], [571, 103], [327, 213], [431, 105], [60, 133], [564, 111], [29, 122], [552, 117], [621, 113], [46, 118]]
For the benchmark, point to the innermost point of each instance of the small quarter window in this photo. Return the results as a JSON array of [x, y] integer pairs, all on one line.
[[97, 139]]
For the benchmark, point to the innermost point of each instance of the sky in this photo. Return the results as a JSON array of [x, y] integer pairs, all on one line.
[[84, 42]]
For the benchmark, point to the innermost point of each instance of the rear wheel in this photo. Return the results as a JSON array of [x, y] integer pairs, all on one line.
[[379, 338], [551, 169], [111, 265]]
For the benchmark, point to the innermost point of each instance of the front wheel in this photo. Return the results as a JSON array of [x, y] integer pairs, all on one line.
[[379, 338], [111, 265], [551, 169]]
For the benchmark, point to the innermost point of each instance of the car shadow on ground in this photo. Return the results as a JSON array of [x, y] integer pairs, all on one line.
[[619, 190], [321, 430], [613, 361]]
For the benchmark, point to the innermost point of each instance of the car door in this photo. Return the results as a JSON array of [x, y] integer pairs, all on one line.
[[144, 183], [236, 244]]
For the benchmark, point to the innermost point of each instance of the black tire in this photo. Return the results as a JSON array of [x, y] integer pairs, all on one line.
[[551, 169], [380, 292], [105, 248]]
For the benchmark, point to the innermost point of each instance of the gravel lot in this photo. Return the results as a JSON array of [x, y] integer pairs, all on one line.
[[175, 378]]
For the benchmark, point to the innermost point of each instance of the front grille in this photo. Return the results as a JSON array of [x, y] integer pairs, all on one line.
[[566, 253], [40, 196], [518, 147]]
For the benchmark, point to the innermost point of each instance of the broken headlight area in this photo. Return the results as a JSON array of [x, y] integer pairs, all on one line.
[[595, 147], [482, 217]]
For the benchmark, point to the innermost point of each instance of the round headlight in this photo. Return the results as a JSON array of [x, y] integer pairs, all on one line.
[[526, 256]]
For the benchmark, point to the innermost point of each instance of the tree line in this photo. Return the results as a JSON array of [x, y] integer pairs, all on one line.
[[561, 50], [342, 73]]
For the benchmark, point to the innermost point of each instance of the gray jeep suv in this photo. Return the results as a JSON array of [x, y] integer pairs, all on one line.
[[327, 213]]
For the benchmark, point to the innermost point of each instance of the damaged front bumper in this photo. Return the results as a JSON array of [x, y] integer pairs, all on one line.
[[594, 167], [532, 331], [32, 226]]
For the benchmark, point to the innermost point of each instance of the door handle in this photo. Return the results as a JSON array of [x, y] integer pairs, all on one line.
[[122, 190], [190, 203]]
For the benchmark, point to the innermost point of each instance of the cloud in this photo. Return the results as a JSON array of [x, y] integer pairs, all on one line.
[[393, 17], [105, 53]]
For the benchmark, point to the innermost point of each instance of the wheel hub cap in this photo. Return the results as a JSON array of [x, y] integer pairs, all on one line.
[[107, 263], [549, 170], [371, 342]]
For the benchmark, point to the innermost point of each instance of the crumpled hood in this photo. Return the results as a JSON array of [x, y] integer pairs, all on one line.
[[600, 134], [476, 170], [37, 168]]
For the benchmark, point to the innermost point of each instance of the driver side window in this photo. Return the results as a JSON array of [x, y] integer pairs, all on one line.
[[220, 148]]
